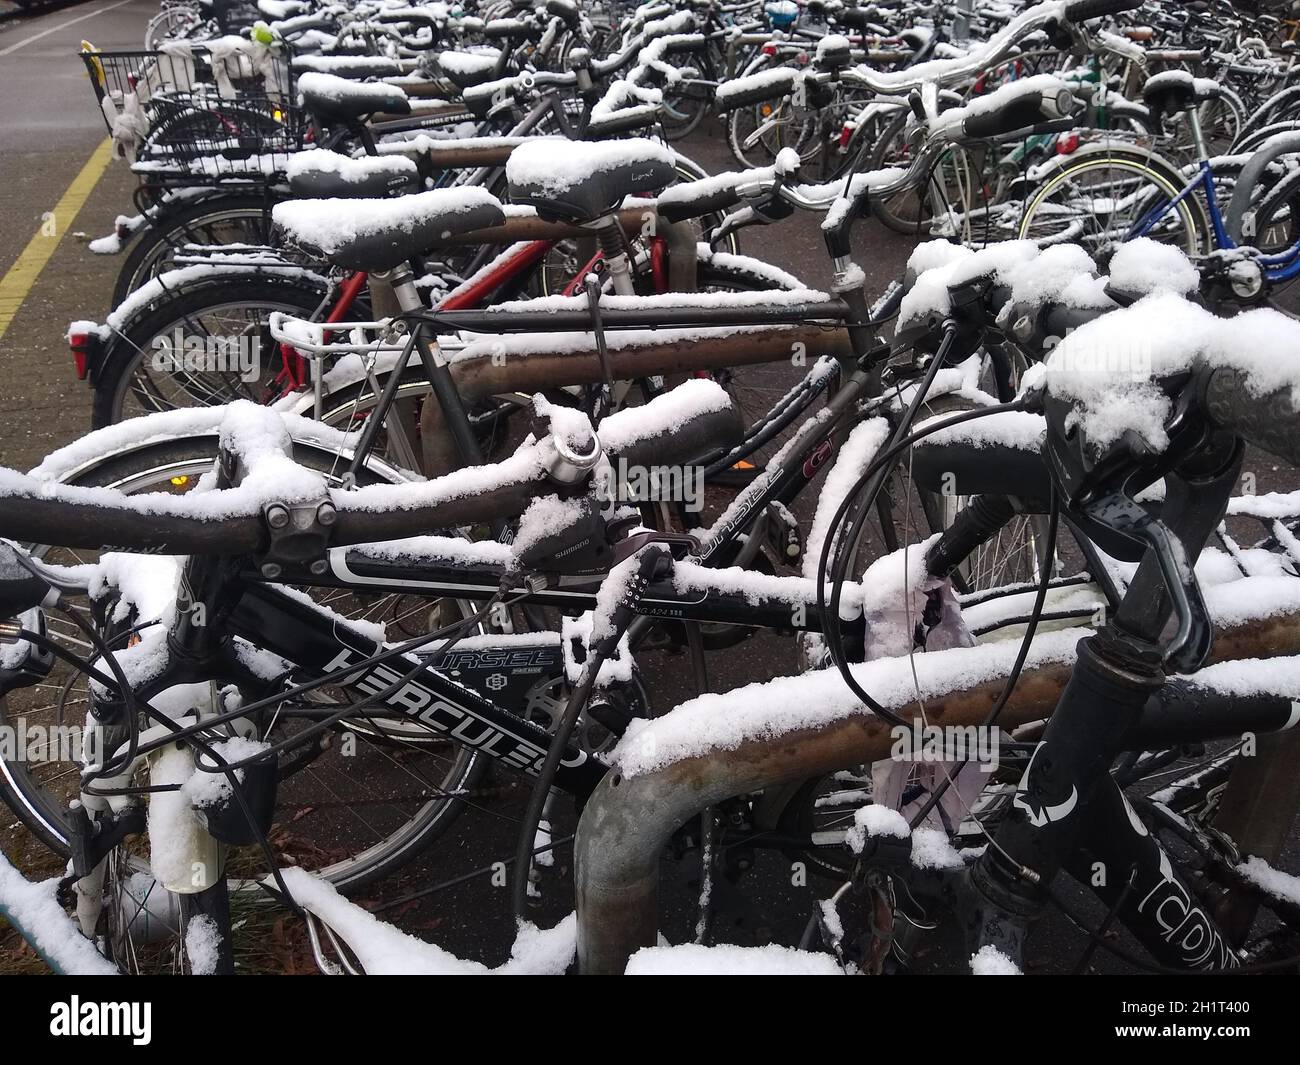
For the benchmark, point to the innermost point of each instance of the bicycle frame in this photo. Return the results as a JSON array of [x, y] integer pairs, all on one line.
[[1282, 266]]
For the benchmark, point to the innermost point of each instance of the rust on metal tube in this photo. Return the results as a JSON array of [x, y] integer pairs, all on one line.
[[530, 227], [481, 377], [627, 821]]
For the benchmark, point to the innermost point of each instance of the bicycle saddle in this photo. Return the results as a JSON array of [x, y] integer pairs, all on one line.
[[1174, 91], [325, 175], [377, 235], [466, 69], [580, 182], [334, 99], [348, 66]]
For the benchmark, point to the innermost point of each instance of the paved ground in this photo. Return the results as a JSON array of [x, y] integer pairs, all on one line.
[[49, 128]]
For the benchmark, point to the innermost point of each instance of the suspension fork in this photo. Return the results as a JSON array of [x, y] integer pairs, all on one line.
[[1128, 870], [1117, 670]]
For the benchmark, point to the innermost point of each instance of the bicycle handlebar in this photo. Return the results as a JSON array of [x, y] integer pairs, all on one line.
[[101, 518], [1085, 10], [1269, 421], [1022, 107]]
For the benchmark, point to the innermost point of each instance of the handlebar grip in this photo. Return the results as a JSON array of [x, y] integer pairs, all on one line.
[[34, 519], [699, 435], [1083, 10], [1019, 113], [755, 88], [507, 29], [685, 201], [640, 116], [1060, 321], [679, 22], [92, 524], [1268, 421], [685, 44]]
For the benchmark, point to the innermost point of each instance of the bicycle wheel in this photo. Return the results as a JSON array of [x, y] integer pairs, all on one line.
[[203, 345], [244, 218], [169, 23], [1098, 200], [909, 210], [758, 133], [352, 818]]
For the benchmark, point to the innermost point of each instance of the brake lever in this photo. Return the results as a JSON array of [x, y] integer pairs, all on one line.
[[679, 544], [1191, 642]]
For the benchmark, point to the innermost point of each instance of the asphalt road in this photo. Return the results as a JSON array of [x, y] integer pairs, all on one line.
[[49, 128]]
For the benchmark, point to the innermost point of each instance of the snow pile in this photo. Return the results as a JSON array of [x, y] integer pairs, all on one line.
[[34, 909], [1107, 366], [1275, 882], [692, 959], [1144, 266], [989, 961], [384, 950], [202, 944], [870, 821], [206, 788]]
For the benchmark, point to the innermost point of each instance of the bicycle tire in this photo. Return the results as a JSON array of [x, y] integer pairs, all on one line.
[[155, 463], [292, 293], [148, 255], [1142, 165]]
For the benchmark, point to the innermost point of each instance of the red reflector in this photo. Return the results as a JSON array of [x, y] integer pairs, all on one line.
[[846, 134], [1067, 144], [769, 49], [80, 356]]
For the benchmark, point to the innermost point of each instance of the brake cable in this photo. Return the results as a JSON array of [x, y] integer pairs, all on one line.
[[995, 711], [830, 617]]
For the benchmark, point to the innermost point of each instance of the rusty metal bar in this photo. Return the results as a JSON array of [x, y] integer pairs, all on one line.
[[480, 377], [530, 227], [627, 821]]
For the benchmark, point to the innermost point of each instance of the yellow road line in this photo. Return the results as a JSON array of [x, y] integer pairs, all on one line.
[[17, 283]]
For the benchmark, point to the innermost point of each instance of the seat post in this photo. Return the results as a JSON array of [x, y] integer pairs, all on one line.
[[610, 235], [402, 281], [1193, 116]]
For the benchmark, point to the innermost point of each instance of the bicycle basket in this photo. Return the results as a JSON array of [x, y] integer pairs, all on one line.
[[199, 112]]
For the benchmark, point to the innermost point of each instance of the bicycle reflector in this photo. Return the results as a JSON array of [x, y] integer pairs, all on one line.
[[82, 345]]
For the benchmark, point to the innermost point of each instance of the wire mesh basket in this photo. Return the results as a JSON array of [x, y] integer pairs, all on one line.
[[195, 114]]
